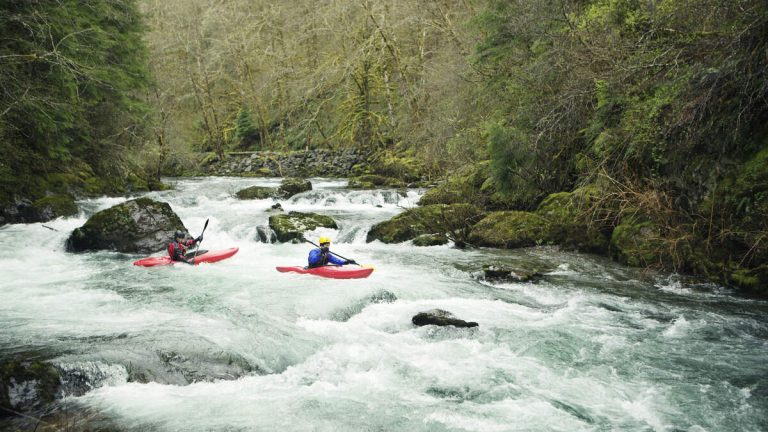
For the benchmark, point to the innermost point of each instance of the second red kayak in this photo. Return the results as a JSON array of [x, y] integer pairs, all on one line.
[[207, 257], [333, 272]]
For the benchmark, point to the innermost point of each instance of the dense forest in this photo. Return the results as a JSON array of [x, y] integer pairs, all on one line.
[[649, 115]]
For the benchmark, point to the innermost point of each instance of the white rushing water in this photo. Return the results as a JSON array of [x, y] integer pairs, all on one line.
[[237, 346]]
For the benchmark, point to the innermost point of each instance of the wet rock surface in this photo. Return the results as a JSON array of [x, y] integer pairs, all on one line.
[[440, 317], [293, 225], [136, 226]]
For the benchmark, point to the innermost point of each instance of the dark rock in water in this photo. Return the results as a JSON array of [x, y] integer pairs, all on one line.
[[430, 240], [256, 192], [27, 385], [266, 235], [292, 186], [500, 273], [277, 207], [18, 211], [292, 226], [441, 318], [137, 226]]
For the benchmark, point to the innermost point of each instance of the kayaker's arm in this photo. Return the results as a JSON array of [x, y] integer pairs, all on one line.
[[333, 259]]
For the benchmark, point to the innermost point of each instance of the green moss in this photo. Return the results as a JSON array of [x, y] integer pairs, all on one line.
[[638, 244], [54, 206], [372, 181], [510, 229], [292, 226], [256, 192], [569, 216], [46, 378], [430, 240], [431, 219], [401, 165], [292, 186]]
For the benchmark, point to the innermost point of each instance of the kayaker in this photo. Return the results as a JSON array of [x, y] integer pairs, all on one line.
[[322, 256], [177, 250]]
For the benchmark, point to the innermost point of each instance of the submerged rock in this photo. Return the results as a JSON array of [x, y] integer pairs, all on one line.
[[501, 273], [266, 234], [292, 186], [441, 318], [136, 226], [292, 226], [256, 192]]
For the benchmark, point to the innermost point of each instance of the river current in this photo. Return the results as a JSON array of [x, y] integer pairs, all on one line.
[[237, 346]]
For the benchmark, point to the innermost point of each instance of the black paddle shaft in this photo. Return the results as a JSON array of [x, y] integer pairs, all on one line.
[[198, 245], [313, 244]]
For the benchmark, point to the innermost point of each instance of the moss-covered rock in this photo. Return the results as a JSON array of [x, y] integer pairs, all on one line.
[[256, 192], [569, 215], [137, 226], [430, 240], [292, 226], [292, 186], [510, 229], [26, 385], [372, 181], [638, 243], [455, 220], [54, 206]]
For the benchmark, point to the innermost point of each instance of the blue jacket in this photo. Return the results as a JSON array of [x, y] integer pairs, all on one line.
[[318, 258]]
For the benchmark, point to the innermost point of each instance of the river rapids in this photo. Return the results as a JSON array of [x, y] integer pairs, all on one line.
[[237, 346]]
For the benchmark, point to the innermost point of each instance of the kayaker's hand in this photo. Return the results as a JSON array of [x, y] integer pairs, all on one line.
[[199, 239], [351, 262]]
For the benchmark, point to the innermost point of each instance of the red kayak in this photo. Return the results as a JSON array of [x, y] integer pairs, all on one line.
[[333, 272], [206, 257]]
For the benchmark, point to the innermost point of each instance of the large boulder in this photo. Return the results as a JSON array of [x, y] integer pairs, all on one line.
[[292, 226], [136, 226], [441, 318], [256, 192], [292, 186], [455, 220], [510, 229]]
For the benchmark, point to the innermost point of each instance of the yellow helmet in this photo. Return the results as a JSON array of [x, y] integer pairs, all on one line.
[[324, 240]]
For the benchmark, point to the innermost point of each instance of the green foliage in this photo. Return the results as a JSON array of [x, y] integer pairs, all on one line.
[[70, 73], [245, 130]]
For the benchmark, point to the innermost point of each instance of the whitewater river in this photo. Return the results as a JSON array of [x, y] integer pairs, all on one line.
[[237, 346]]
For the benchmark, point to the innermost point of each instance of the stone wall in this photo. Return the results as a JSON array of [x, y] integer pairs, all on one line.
[[304, 163]]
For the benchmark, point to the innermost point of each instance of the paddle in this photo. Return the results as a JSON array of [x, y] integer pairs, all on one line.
[[201, 240], [313, 244]]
